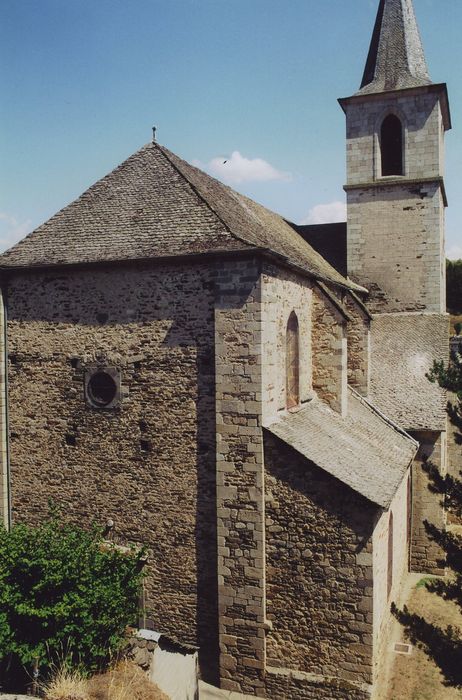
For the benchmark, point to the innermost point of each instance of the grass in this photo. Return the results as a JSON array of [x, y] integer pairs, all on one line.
[[416, 677], [125, 681], [66, 684], [423, 582]]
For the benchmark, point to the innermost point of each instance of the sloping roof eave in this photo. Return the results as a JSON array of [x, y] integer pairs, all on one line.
[[372, 463]]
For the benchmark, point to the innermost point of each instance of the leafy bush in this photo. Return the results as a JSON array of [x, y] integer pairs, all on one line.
[[63, 591]]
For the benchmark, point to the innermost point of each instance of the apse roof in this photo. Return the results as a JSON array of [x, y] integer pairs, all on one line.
[[155, 205], [363, 449]]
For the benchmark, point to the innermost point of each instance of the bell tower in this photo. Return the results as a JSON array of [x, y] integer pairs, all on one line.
[[395, 165]]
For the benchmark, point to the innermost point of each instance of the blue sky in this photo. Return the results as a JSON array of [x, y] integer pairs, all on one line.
[[254, 82]]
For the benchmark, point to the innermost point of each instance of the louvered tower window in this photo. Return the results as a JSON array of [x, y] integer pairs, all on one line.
[[391, 146], [292, 362]]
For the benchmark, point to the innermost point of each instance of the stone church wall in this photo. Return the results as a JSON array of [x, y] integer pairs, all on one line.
[[329, 346], [283, 684], [240, 484], [4, 475], [149, 464], [359, 347], [426, 556], [400, 567], [319, 571], [282, 293], [374, 215]]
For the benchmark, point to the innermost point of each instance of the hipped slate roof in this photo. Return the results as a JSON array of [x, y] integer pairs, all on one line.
[[156, 205], [396, 57], [364, 450], [403, 348]]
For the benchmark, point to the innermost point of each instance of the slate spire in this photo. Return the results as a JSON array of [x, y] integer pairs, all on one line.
[[396, 57]]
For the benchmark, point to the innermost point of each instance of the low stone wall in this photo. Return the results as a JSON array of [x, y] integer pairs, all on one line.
[[282, 683], [172, 666], [141, 651]]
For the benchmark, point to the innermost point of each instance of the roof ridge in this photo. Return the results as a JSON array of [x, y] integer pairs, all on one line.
[[162, 149], [199, 182]]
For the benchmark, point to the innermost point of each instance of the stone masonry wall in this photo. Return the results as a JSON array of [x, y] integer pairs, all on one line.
[[394, 241], [148, 464], [426, 555], [359, 347], [4, 475], [396, 229], [282, 293], [240, 483], [282, 684], [400, 568], [319, 571], [421, 116], [329, 352]]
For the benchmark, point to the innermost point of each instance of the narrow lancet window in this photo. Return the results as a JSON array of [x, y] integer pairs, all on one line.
[[391, 146], [292, 362]]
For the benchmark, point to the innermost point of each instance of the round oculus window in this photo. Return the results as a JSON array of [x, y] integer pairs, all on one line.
[[102, 389]]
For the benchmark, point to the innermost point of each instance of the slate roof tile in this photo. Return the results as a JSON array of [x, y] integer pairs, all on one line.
[[396, 58], [156, 205], [403, 348], [364, 450]]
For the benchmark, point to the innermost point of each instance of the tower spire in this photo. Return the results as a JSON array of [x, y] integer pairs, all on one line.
[[396, 58]]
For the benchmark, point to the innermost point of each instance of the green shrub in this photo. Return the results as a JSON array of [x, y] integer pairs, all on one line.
[[454, 285], [64, 591]]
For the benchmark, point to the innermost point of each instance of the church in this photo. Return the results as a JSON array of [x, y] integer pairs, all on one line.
[[244, 396]]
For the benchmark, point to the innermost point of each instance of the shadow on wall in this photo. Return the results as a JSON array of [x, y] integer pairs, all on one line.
[[318, 537]]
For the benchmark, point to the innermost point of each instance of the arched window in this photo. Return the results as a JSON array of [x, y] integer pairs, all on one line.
[[391, 146], [292, 362], [390, 555]]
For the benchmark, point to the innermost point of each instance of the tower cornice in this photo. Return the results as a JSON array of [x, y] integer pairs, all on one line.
[[439, 88], [387, 182]]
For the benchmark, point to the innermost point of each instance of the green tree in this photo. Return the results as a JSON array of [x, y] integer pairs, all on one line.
[[454, 285], [63, 591], [443, 645]]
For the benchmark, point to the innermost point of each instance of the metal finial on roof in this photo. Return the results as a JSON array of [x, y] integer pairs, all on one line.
[[154, 129]]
